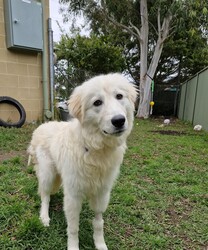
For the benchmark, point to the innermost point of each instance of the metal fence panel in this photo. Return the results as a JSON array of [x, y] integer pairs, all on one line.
[[182, 101], [190, 99], [201, 112], [194, 100]]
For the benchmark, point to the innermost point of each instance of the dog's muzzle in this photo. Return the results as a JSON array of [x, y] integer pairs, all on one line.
[[118, 123]]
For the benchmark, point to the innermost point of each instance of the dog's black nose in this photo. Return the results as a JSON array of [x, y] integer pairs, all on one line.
[[118, 121]]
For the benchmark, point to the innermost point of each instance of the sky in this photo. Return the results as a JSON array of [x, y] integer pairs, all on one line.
[[55, 15]]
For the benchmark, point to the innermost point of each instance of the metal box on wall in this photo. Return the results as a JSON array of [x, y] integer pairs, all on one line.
[[23, 22]]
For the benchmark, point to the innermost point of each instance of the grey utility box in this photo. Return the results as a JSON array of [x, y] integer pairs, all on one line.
[[23, 22]]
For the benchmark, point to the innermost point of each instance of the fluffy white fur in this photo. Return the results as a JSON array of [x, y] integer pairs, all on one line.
[[85, 153]]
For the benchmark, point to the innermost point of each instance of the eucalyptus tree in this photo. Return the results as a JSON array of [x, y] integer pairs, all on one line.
[[144, 26]]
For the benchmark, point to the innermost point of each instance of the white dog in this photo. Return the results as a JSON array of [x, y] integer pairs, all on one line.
[[85, 153]]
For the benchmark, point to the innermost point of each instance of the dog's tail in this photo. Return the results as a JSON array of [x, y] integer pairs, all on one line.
[[29, 160], [30, 152]]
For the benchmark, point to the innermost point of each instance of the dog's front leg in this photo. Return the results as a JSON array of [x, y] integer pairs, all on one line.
[[72, 208], [98, 234], [44, 211], [99, 204]]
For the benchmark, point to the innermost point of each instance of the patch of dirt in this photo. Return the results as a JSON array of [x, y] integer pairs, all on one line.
[[169, 132], [9, 155]]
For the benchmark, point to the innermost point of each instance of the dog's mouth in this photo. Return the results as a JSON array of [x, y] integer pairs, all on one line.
[[117, 132]]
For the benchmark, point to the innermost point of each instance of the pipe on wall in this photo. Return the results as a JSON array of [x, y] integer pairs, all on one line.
[[51, 65], [47, 114]]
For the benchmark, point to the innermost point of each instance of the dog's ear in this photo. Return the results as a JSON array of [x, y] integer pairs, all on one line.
[[132, 93], [75, 104]]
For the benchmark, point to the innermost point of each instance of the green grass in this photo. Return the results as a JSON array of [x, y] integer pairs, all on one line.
[[160, 200]]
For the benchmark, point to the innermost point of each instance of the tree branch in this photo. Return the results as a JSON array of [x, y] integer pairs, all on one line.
[[135, 28], [126, 28], [166, 27], [151, 25], [158, 22]]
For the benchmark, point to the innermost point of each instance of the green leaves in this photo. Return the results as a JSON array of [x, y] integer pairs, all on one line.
[[94, 54], [185, 47], [80, 58]]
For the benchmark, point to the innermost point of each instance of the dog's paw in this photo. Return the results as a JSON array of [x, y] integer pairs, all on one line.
[[72, 248], [101, 246], [45, 221]]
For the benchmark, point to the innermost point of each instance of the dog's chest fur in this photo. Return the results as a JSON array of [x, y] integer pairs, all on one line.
[[89, 171], [85, 169]]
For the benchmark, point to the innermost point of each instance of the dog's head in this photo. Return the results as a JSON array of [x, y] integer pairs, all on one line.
[[104, 106]]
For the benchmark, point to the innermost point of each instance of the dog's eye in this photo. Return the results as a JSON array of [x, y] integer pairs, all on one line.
[[119, 96], [97, 103]]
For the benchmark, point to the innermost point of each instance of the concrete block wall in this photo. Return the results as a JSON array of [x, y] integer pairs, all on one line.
[[20, 78]]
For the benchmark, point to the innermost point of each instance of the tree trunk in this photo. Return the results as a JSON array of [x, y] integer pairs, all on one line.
[[145, 97], [147, 74], [145, 83], [143, 108], [155, 58]]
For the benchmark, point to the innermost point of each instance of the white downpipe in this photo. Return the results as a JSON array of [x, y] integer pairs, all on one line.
[[46, 112], [51, 65]]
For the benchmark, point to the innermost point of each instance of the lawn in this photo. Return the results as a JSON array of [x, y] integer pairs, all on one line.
[[160, 200]]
